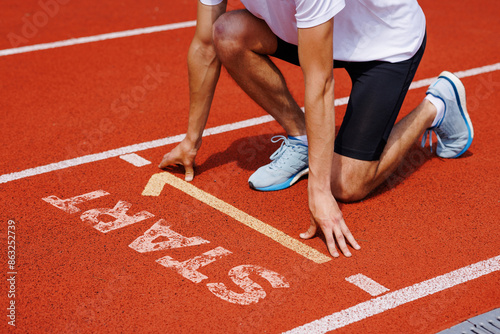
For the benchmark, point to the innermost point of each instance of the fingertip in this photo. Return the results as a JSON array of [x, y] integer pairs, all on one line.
[[310, 233], [188, 178]]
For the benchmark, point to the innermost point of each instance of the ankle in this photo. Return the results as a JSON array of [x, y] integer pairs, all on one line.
[[436, 105], [302, 138]]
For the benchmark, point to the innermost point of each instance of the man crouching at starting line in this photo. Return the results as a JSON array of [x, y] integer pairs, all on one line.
[[378, 42]]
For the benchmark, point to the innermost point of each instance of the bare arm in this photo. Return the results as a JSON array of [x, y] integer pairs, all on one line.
[[203, 71], [316, 60]]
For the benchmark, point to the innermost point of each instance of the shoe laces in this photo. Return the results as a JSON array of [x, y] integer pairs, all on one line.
[[283, 153], [450, 144], [424, 137]]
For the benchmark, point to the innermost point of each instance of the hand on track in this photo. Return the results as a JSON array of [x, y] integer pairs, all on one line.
[[183, 154], [326, 213]]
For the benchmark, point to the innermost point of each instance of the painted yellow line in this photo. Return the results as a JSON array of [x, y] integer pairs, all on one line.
[[158, 181]]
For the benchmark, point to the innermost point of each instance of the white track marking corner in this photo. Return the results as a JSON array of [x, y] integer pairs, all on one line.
[[155, 186], [135, 159]]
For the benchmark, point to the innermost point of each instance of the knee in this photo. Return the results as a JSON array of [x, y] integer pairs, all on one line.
[[349, 190], [348, 195], [228, 36]]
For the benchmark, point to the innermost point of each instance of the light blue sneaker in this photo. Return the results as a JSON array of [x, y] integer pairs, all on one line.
[[454, 131], [288, 164]]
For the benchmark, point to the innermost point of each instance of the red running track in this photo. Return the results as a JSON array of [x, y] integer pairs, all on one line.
[[432, 218]]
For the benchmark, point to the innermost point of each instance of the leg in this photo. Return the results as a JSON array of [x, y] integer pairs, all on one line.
[[452, 125], [368, 148], [243, 43], [353, 179]]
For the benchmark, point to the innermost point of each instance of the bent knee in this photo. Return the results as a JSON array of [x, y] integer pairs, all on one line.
[[352, 180], [349, 194], [228, 34], [350, 189]]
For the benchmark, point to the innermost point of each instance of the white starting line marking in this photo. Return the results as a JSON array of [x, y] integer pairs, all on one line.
[[176, 139], [367, 284], [397, 298], [135, 159], [158, 181]]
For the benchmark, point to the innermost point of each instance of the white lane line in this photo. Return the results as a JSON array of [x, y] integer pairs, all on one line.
[[176, 139], [135, 159], [97, 38], [399, 297], [460, 74], [127, 150], [367, 284]]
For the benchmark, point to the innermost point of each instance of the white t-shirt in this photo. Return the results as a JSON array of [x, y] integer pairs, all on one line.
[[364, 30]]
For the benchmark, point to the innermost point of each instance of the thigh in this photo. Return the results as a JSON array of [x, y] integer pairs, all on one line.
[[378, 91]]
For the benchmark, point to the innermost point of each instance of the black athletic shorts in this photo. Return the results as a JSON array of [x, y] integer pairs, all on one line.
[[378, 91]]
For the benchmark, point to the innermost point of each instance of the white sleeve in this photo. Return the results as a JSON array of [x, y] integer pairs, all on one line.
[[311, 13], [210, 2]]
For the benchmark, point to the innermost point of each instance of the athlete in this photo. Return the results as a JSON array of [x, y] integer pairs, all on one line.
[[379, 43]]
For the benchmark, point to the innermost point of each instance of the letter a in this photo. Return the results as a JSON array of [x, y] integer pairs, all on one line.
[[145, 243]]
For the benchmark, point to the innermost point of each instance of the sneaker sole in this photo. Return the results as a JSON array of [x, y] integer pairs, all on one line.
[[459, 89], [288, 183]]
